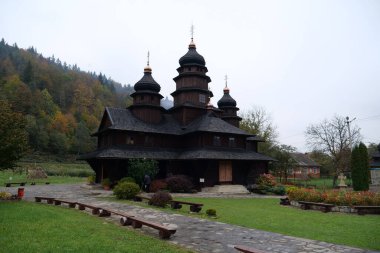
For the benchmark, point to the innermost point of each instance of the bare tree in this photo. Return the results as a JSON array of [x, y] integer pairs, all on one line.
[[332, 137], [259, 122]]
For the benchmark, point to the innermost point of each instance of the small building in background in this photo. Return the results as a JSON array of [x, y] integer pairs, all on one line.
[[375, 167], [305, 166]]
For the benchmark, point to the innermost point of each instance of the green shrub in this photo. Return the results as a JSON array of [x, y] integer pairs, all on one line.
[[126, 190], [278, 190], [106, 182], [127, 179], [160, 199], [138, 168], [91, 179], [211, 212]]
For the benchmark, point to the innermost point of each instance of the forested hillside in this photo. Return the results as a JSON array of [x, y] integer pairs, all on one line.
[[62, 104]]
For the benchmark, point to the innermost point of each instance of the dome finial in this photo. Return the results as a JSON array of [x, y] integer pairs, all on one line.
[[147, 69], [192, 44], [226, 89]]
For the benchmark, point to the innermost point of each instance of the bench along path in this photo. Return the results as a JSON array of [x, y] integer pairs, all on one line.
[[193, 233]]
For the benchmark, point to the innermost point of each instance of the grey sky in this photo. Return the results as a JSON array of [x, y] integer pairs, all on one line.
[[303, 61]]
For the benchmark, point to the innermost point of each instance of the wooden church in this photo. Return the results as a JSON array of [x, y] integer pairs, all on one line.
[[193, 137]]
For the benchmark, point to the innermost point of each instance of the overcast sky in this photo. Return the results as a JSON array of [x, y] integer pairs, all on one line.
[[303, 61]]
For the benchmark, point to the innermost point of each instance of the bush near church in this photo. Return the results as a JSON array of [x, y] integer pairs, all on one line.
[[160, 199], [158, 185], [126, 190], [336, 197], [266, 184], [179, 183], [127, 179]]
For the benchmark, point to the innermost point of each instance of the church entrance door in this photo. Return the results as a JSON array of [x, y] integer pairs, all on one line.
[[225, 172]]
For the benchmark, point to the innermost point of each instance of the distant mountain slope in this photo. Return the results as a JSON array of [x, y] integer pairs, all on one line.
[[61, 103]]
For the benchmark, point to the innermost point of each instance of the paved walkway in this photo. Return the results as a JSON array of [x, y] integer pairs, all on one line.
[[193, 233]]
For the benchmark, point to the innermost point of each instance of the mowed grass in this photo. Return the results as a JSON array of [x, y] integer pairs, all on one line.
[[58, 173], [269, 215], [319, 183], [31, 227]]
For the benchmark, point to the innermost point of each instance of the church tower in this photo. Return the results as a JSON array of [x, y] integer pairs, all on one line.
[[146, 98], [228, 105], [192, 93]]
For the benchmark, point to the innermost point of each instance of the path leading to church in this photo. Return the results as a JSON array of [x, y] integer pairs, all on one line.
[[197, 234]]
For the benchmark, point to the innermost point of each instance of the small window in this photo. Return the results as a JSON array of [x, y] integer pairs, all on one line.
[[231, 142], [148, 141], [217, 141], [202, 98], [152, 98], [130, 140], [189, 69], [142, 98]]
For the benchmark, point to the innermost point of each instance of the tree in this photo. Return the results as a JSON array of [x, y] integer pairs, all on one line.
[[259, 122], [372, 149], [138, 168], [324, 160], [285, 162], [13, 136], [359, 168], [27, 75], [332, 137]]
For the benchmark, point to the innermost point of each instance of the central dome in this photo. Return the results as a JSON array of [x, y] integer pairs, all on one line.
[[192, 57]]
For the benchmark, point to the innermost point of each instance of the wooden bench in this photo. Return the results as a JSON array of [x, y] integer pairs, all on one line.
[[48, 199], [125, 218], [139, 198], [94, 210], [367, 209], [306, 205], [164, 232], [128, 219], [58, 202], [194, 207], [246, 249], [284, 201], [10, 184]]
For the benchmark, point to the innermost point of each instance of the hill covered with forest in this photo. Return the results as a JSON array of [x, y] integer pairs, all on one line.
[[61, 103]]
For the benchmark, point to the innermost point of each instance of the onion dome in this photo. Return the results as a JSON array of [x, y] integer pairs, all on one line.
[[192, 57], [226, 100], [147, 82]]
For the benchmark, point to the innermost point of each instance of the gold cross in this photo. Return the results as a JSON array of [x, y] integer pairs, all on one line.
[[148, 58]]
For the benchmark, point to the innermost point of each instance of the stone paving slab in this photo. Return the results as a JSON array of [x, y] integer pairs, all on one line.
[[193, 233]]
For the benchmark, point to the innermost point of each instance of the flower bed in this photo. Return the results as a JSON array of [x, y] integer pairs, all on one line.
[[336, 197]]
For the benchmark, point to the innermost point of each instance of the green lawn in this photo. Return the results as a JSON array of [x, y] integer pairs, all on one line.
[[58, 173], [268, 215], [31, 227], [320, 183]]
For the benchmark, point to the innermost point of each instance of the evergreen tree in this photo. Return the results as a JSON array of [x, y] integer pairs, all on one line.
[[359, 168], [27, 75]]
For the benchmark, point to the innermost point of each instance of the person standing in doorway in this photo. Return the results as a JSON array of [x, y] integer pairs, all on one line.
[[147, 182]]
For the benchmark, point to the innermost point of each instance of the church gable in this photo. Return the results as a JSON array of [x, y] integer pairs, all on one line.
[[106, 121]]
